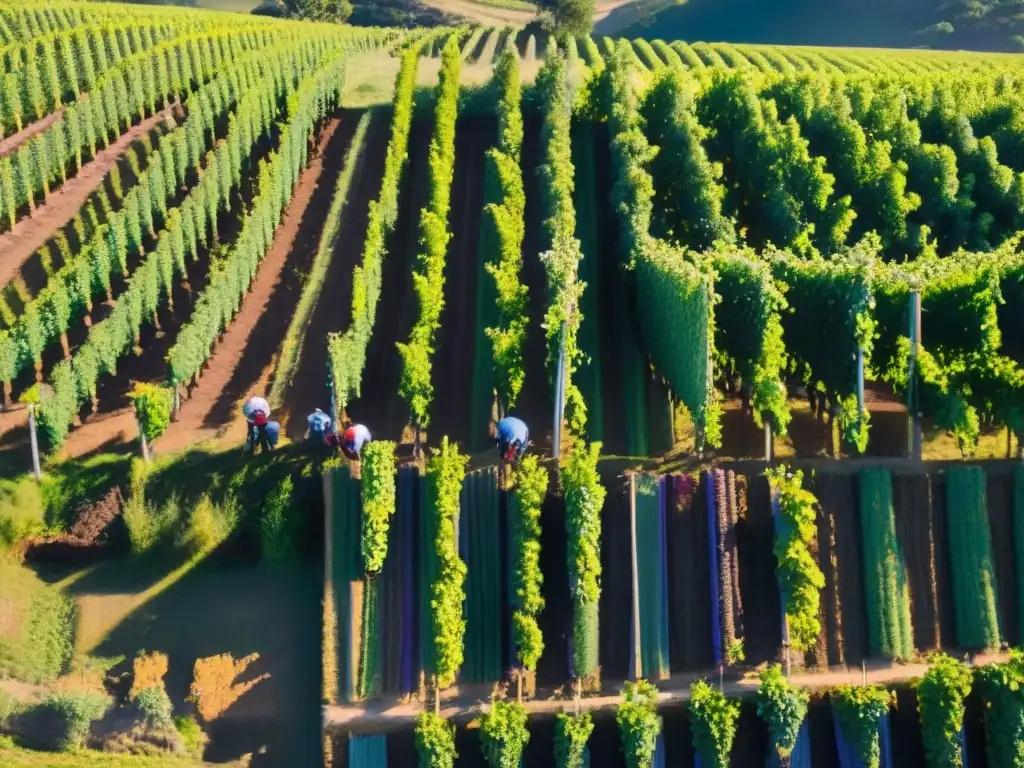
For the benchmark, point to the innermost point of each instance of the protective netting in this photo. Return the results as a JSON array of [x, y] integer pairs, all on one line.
[[426, 573], [1018, 542], [480, 545], [970, 550], [689, 574], [651, 578], [886, 594], [659, 753], [368, 751], [397, 590], [342, 493], [846, 750], [800, 757]]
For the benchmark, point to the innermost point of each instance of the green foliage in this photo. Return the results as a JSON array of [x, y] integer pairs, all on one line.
[[571, 17], [527, 579], [639, 723], [887, 593], [208, 525], [416, 386], [800, 578], [783, 707], [153, 407], [74, 712], [21, 511], [348, 351], [676, 297], [859, 710], [378, 491], [571, 736], [503, 734], [435, 741], [38, 640], [154, 707], [277, 526], [191, 734], [941, 697], [1002, 686], [584, 498], [972, 567], [446, 471], [713, 722]]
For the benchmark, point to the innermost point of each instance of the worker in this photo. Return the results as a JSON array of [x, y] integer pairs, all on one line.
[[319, 427], [257, 414], [512, 438], [353, 439]]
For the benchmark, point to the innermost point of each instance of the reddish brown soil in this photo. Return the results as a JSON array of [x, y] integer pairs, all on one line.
[[456, 340], [15, 140], [380, 407], [243, 358], [61, 206], [332, 312]]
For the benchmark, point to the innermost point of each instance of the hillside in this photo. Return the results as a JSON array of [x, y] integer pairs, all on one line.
[[982, 25]]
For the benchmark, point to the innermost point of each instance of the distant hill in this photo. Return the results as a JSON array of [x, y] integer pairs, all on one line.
[[984, 25]]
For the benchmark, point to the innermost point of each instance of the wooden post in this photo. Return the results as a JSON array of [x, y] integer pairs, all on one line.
[[913, 406], [860, 386], [142, 438], [637, 670], [177, 402], [767, 439], [556, 443], [437, 697], [36, 469]]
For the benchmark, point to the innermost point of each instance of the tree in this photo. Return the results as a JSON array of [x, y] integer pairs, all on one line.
[[572, 17], [319, 10]]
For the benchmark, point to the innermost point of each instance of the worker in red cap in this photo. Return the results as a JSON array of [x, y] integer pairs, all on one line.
[[353, 439], [258, 437]]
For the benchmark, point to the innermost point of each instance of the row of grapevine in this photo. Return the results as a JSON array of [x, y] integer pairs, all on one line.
[[416, 387], [233, 275], [39, 76], [347, 352], [143, 84], [151, 284], [105, 253], [503, 230]]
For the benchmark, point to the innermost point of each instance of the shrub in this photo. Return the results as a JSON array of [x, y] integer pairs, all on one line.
[[37, 624], [155, 707], [571, 736], [941, 694], [859, 710], [435, 741], [713, 722], [153, 406], [276, 525], [639, 723], [527, 579], [208, 525], [148, 670], [503, 734], [1002, 685], [192, 735], [73, 713], [21, 511], [213, 689], [8, 706], [783, 707], [378, 487]]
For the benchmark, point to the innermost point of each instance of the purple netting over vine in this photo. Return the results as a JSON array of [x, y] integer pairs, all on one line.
[[800, 757], [848, 754], [406, 506], [716, 625], [782, 592], [659, 753], [663, 566]]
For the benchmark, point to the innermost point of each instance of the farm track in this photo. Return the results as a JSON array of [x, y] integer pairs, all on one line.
[[244, 356], [455, 347], [17, 245], [332, 312], [380, 407], [15, 140]]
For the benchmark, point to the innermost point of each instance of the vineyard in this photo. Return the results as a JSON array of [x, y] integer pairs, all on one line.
[[701, 273]]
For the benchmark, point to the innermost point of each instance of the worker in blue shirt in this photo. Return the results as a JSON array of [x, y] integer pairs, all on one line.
[[512, 438]]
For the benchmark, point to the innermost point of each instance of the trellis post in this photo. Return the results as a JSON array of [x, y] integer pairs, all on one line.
[[913, 406], [36, 469]]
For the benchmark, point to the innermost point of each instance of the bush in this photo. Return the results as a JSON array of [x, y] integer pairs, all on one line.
[[208, 525], [783, 707], [148, 670], [713, 722], [435, 742], [639, 724], [71, 712], [859, 710], [571, 736], [21, 511], [153, 406], [37, 636], [276, 525], [503, 734], [378, 493], [213, 689], [155, 707], [8, 706], [192, 734], [527, 579], [941, 697]]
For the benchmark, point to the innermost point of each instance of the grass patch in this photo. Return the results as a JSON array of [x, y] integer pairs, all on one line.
[[37, 627], [16, 757], [508, 5]]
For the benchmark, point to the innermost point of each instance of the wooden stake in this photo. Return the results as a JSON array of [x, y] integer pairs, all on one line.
[[36, 469]]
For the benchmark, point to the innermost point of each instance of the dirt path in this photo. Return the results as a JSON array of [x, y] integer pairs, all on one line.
[[15, 140], [243, 359], [486, 15], [332, 312], [33, 231], [466, 703], [453, 358]]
